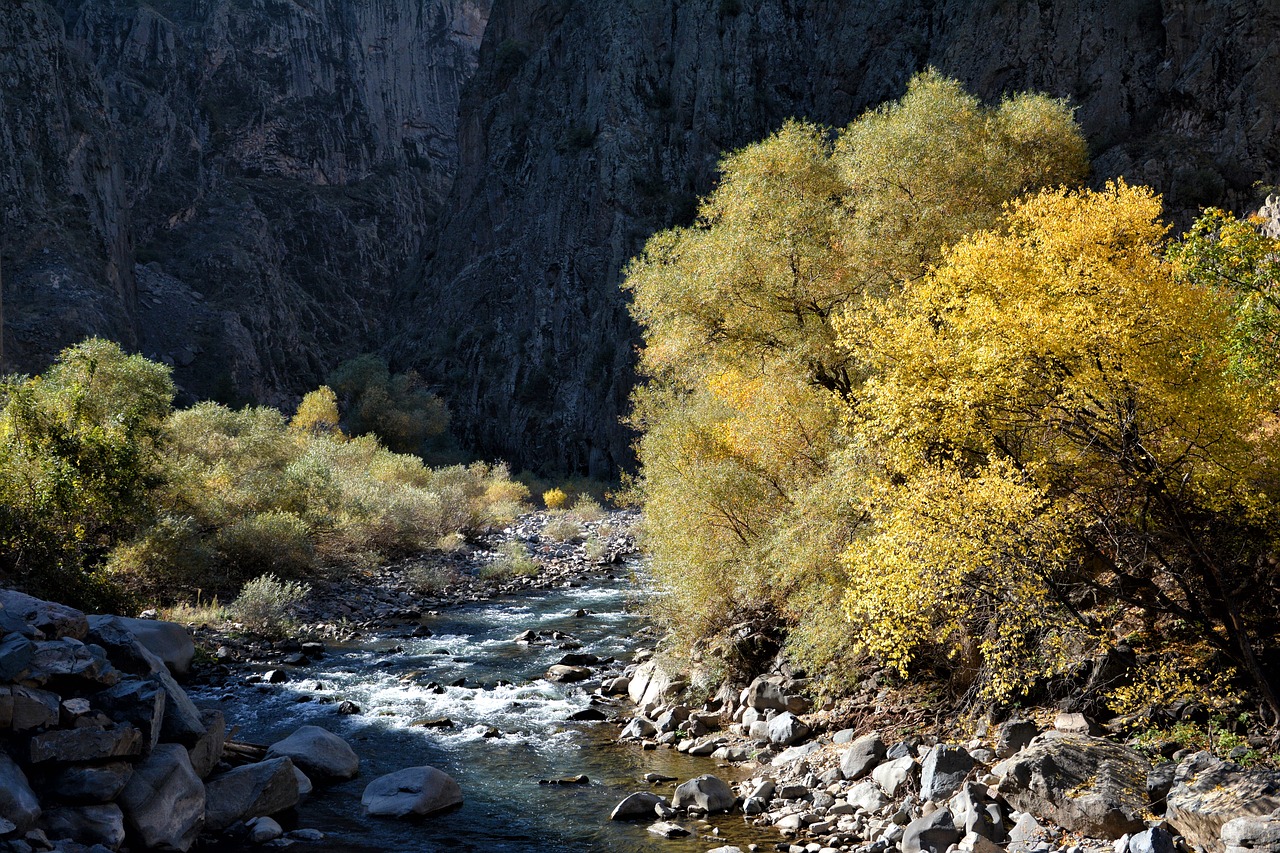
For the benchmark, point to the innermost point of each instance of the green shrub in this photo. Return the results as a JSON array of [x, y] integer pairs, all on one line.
[[394, 407], [513, 560], [432, 578], [586, 509], [265, 603], [274, 541], [169, 556], [563, 530]]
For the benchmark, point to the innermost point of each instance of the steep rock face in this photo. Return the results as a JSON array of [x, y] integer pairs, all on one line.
[[233, 185], [590, 125]]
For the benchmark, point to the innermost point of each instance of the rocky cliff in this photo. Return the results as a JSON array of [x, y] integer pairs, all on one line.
[[236, 186], [258, 188], [589, 125]]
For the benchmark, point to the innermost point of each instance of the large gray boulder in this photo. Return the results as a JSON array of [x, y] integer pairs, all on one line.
[[637, 806], [138, 702], [867, 796], [1084, 784], [892, 776], [1207, 793], [99, 824], [67, 663], [943, 770], [253, 790], [207, 751], [651, 684], [321, 754], [89, 784], [412, 792], [1252, 834], [1013, 735], [168, 641], [163, 803], [933, 833], [766, 695], [786, 729], [38, 619], [862, 756], [87, 744], [18, 803], [707, 792]]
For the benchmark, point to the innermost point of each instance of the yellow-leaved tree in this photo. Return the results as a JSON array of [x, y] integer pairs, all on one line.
[[1061, 423]]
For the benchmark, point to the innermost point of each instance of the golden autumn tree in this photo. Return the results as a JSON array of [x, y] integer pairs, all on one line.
[[1061, 422], [745, 451]]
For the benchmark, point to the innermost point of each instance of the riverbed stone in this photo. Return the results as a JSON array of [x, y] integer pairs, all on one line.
[[666, 829], [414, 791], [862, 756], [250, 791], [637, 806], [18, 803], [867, 796], [893, 775], [32, 708], [638, 728], [651, 684], [1208, 792], [89, 784], [1084, 784], [321, 754], [786, 728], [164, 803], [1013, 736], [1252, 834], [563, 674], [136, 702], [707, 792], [168, 641], [39, 619], [206, 752], [766, 695], [97, 824], [263, 830], [943, 770], [932, 833]]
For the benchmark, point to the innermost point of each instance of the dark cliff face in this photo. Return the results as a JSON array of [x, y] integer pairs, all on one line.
[[257, 189], [238, 186], [590, 125]]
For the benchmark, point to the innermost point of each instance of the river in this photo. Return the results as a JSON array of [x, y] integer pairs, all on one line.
[[506, 809]]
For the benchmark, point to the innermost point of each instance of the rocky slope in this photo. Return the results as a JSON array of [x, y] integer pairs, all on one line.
[[256, 189], [237, 187]]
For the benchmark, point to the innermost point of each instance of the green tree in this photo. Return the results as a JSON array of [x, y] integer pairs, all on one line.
[[394, 407]]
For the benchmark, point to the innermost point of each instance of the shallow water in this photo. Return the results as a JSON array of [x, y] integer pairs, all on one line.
[[505, 808]]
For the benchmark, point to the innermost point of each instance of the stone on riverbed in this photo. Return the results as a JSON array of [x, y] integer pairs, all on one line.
[[636, 806], [163, 802], [321, 754], [253, 790], [668, 830], [563, 674], [862, 755], [414, 791], [707, 792], [1209, 792]]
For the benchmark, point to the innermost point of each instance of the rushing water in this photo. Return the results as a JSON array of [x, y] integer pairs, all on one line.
[[505, 809]]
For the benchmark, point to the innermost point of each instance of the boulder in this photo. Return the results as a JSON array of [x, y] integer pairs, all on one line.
[[943, 770], [88, 744], [304, 782], [1013, 735], [412, 792], [862, 756], [637, 806], [786, 729], [163, 802], [1153, 840], [866, 795], [650, 683], [321, 754], [67, 662], [933, 833], [206, 752], [1076, 724], [168, 641], [263, 830], [765, 695], [666, 829], [562, 674], [16, 652], [1252, 834], [250, 791], [99, 824], [18, 803], [1208, 792], [638, 728], [31, 708], [616, 686], [893, 775], [90, 784], [1084, 784], [135, 701], [38, 619], [707, 792]]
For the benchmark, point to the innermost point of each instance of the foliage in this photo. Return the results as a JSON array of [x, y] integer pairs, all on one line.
[[432, 578], [265, 603], [1218, 736], [394, 407], [746, 440], [554, 498], [513, 561], [586, 509], [563, 529], [318, 413]]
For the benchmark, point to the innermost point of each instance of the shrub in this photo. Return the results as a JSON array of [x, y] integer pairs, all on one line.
[[265, 603], [169, 556], [431, 578], [276, 541], [587, 509], [394, 407], [563, 530], [596, 549], [513, 560], [554, 498]]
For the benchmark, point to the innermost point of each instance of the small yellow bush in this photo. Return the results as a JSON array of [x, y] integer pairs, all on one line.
[[554, 498]]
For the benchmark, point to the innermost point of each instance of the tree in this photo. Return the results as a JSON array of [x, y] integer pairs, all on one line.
[[744, 416], [1061, 422], [393, 407], [318, 413]]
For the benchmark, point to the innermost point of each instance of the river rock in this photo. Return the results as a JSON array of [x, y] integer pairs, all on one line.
[[651, 684], [321, 754], [866, 795], [29, 707], [1252, 834], [68, 662], [563, 674], [253, 790], [414, 791], [18, 803], [88, 744], [707, 792], [263, 830], [1208, 792], [136, 702], [1153, 840], [616, 686], [90, 784], [638, 728], [1084, 784], [667, 829], [943, 770], [16, 652], [206, 752], [933, 833], [637, 806], [891, 776], [786, 729], [98, 824], [1013, 735], [862, 756], [164, 802], [38, 619], [765, 695], [168, 641]]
